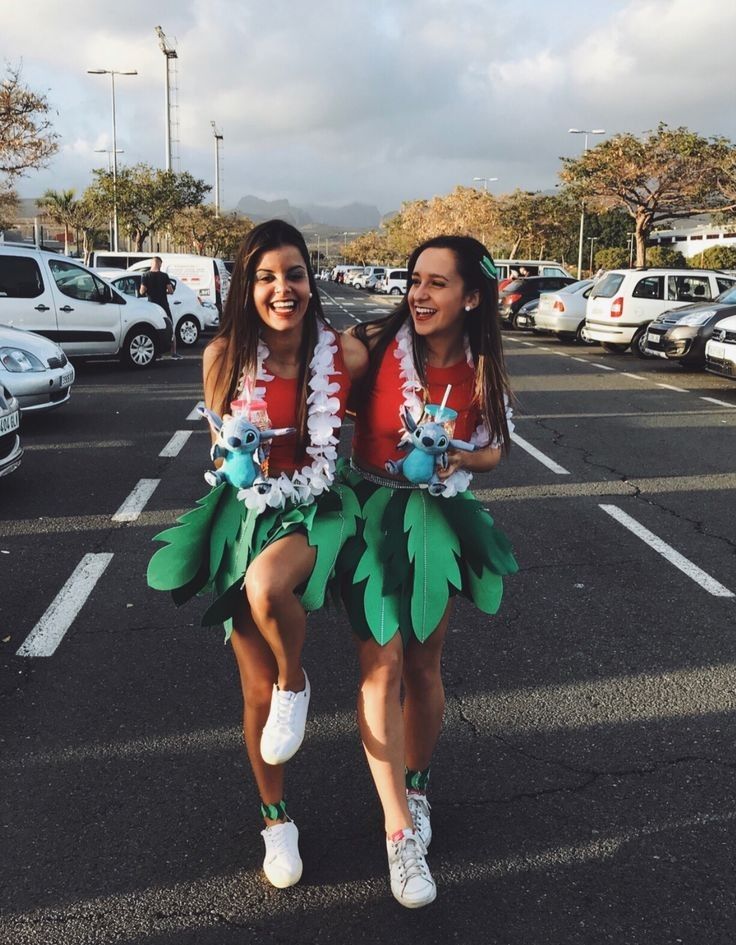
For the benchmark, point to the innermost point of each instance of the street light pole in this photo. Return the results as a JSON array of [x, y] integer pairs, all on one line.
[[218, 138], [583, 131], [112, 73], [486, 181], [592, 240], [109, 170]]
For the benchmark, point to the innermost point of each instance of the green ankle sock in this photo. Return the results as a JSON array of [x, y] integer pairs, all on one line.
[[274, 811], [417, 780]]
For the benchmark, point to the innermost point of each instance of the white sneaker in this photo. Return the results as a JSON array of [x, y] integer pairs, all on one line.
[[419, 809], [282, 864], [283, 732], [411, 882]]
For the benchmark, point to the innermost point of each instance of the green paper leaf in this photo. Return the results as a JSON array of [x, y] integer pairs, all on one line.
[[433, 550], [485, 591], [381, 610], [482, 544]]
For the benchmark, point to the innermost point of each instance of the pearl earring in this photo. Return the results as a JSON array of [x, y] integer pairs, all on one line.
[[467, 308], [310, 295]]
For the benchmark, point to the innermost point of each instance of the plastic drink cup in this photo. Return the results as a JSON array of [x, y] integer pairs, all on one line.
[[446, 416]]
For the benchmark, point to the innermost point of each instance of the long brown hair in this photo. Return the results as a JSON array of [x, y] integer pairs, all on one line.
[[482, 325], [241, 323]]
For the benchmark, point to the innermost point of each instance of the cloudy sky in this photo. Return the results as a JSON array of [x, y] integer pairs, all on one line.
[[377, 101]]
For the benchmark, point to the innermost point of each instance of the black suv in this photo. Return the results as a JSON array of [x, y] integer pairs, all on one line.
[[521, 291]]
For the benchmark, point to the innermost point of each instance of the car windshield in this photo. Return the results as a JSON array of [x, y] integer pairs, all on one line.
[[608, 285], [729, 296], [577, 286]]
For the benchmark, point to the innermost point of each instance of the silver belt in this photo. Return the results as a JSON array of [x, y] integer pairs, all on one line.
[[381, 480]]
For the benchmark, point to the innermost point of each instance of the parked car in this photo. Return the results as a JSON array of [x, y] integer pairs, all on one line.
[[205, 275], [10, 449], [681, 335], [625, 301], [521, 291], [393, 282], [562, 313], [35, 370], [67, 303], [369, 277], [119, 261], [186, 306], [352, 274], [526, 315], [510, 269], [720, 351]]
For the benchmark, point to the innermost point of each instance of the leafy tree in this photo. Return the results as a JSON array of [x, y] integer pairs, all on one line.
[[612, 257], [664, 175], [665, 258], [610, 228], [370, 247], [200, 230], [59, 206], [26, 137], [715, 257], [147, 198]]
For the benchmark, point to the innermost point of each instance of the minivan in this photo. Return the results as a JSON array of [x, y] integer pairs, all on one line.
[[394, 282], [624, 301], [205, 275], [105, 259]]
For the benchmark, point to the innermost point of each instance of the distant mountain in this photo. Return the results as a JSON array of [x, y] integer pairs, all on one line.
[[353, 216]]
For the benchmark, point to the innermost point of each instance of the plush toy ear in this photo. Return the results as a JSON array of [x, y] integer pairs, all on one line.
[[214, 420], [462, 445], [409, 421]]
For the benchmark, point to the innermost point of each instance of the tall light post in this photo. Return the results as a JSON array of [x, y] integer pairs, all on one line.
[[109, 170], [170, 53], [592, 240], [112, 73], [583, 131], [486, 181], [218, 138]]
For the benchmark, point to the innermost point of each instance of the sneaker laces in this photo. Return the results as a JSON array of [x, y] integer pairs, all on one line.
[[277, 840], [285, 705], [410, 856], [419, 809]]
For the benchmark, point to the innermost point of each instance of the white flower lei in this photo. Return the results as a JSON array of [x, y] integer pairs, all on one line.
[[304, 485], [413, 402]]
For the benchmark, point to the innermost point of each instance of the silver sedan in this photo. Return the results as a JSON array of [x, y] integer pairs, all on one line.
[[35, 370]]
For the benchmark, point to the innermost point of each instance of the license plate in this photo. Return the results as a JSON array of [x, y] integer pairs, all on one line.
[[653, 339], [67, 378], [716, 350], [9, 423]]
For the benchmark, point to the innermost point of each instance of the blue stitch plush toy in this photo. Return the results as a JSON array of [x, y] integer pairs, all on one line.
[[240, 446], [427, 444]]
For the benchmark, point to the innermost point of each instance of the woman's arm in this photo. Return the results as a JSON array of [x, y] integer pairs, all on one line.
[[355, 355], [214, 395], [482, 460]]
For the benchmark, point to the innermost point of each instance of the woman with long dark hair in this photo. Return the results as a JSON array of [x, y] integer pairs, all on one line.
[[264, 541], [433, 409]]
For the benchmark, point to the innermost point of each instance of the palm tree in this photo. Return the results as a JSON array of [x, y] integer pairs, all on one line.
[[60, 206]]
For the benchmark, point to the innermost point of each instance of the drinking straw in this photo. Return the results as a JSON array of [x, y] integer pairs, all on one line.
[[444, 402]]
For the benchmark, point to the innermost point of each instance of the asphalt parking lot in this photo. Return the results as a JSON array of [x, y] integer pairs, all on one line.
[[583, 787]]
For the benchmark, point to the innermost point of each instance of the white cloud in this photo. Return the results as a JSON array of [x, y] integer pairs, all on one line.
[[374, 101]]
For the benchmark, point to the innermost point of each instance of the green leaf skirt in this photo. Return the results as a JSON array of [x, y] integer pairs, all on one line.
[[211, 547], [413, 553]]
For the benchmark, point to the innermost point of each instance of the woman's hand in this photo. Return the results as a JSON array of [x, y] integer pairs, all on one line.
[[478, 461]]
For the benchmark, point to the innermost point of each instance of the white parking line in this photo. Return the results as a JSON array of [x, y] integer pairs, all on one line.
[[50, 629], [637, 377], [529, 344], [721, 403], [537, 454], [136, 501], [687, 567], [581, 360], [680, 390], [175, 444], [195, 415], [603, 367]]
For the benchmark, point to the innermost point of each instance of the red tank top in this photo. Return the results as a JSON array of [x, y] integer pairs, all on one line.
[[378, 421], [281, 401]]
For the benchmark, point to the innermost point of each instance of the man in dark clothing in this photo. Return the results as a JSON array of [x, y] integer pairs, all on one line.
[[157, 286]]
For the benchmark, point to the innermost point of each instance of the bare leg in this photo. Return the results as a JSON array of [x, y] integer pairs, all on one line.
[[424, 695], [257, 668], [270, 582], [381, 726]]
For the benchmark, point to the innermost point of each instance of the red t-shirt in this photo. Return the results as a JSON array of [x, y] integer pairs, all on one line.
[[379, 422], [281, 401]]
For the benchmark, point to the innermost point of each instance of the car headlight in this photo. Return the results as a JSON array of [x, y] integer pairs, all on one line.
[[696, 319], [18, 361]]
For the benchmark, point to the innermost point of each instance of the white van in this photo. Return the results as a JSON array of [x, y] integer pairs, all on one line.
[[205, 275], [105, 259], [624, 301], [393, 282], [66, 302]]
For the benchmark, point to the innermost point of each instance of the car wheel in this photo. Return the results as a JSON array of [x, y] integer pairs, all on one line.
[[613, 349], [139, 350], [580, 337], [395, 291], [638, 344], [187, 331], [515, 324]]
